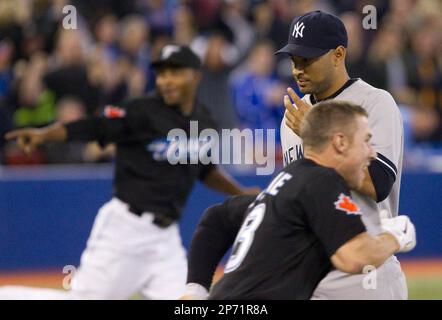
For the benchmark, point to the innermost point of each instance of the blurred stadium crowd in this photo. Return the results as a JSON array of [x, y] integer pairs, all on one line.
[[48, 73]]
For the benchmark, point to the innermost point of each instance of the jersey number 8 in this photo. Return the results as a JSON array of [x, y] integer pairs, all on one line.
[[245, 237]]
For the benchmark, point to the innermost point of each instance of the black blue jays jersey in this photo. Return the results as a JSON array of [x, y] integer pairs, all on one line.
[[145, 177], [289, 234]]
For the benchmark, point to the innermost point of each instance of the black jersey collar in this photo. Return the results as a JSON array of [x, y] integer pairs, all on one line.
[[334, 95]]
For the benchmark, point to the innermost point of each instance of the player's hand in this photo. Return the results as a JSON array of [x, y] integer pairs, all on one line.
[[294, 111], [27, 139], [402, 229], [251, 191], [194, 291]]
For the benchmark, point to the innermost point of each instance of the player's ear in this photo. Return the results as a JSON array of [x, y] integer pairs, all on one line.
[[339, 55], [197, 75], [340, 142]]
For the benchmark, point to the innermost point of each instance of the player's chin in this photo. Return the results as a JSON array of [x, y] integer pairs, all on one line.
[[305, 89], [304, 86], [171, 100]]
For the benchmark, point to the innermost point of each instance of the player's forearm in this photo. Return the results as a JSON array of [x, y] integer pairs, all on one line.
[[364, 250], [205, 252], [213, 236], [380, 248], [367, 188], [222, 182], [54, 133]]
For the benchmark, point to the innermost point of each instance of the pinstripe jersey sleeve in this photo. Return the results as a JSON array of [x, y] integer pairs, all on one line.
[[385, 122]]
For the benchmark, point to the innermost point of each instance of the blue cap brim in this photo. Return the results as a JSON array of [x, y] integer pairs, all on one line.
[[302, 51]]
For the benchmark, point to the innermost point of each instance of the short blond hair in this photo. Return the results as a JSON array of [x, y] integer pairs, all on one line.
[[327, 118]]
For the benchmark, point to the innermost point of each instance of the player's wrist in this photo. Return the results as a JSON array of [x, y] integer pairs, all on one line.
[[393, 239], [54, 132], [42, 135]]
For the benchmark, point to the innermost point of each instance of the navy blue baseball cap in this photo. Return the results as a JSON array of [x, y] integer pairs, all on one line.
[[314, 34]]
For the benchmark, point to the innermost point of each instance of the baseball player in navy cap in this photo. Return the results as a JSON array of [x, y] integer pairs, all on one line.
[[317, 43]]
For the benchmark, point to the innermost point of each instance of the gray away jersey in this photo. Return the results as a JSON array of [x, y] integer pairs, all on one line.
[[386, 124]]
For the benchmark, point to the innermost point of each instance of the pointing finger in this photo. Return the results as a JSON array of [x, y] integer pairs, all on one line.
[[300, 104], [294, 96], [290, 107], [12, 134]]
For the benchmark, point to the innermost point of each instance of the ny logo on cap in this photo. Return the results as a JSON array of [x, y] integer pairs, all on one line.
[[298, 29], [169, 50]]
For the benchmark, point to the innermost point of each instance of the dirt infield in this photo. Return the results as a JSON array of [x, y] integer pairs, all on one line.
[[54, 279], [422, 268]]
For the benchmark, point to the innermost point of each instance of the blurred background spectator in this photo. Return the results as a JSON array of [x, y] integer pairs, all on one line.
[[219, 55], [51, 74], [256, 90]]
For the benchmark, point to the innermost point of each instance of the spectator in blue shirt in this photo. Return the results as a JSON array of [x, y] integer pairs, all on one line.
[[257, 91]]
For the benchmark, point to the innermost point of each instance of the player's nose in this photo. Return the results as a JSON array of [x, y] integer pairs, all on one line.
[[296, 72], [165, 77]]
